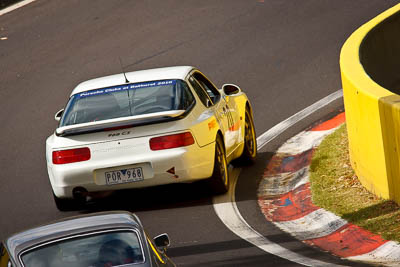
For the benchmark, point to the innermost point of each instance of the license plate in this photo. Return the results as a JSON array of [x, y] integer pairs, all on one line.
[[124, 176]]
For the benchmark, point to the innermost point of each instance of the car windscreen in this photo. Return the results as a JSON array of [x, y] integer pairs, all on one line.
[[101, 249], [127, 100]]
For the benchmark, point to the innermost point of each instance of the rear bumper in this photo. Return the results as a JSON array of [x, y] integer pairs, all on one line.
[[190, 163]]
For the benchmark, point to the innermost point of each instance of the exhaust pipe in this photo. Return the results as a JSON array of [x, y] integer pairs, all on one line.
[[80, 194]]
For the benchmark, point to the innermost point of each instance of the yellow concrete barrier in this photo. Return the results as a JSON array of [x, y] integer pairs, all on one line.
[[370, 69]]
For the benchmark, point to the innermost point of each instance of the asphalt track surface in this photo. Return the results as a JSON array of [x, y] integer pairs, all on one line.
[[284, 54]]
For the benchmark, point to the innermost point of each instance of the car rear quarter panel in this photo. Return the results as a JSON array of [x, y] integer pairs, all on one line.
[[205, 126]]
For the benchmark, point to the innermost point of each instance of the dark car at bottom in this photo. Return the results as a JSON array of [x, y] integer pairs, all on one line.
[[100, 240]]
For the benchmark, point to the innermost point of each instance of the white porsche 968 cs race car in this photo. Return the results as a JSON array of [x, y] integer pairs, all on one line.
[[148, 128]]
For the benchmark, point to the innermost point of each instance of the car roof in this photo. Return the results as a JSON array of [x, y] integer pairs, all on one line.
[[71, 226], [178, 72]]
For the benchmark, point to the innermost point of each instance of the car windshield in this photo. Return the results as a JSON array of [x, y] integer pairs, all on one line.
[[102, 249], [127, 100]]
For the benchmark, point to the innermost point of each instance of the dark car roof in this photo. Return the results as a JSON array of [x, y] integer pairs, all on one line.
[[71, 226]]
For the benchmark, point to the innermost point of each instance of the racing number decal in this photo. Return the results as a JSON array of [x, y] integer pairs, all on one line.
[[230, 118], [226, 112]]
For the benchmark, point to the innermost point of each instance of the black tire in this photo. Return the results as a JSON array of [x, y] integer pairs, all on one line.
[[67, 204], [219, 180], [249, 153]]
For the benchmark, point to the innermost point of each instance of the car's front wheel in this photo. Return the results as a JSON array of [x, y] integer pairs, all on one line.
[[250, 142], [219, 180]]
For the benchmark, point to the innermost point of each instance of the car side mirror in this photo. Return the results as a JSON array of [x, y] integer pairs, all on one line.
[[162, 241], [208, 103], [231, 89], [58, 115]]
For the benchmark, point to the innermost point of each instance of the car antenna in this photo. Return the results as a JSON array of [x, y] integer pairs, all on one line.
[[123, 71]]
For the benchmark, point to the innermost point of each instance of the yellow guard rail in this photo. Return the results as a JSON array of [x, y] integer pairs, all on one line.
[[370, 69]]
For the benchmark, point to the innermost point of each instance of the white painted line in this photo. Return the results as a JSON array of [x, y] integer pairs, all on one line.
[[272, 133], [226, 209], [316, 224], [15, 6]]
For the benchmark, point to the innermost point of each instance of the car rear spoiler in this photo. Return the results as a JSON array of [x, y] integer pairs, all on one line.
[[125, 122]]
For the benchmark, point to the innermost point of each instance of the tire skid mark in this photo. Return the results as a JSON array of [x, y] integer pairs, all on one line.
[[290, 206], [282, 163]]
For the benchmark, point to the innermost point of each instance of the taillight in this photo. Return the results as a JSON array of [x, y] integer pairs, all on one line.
[[171, 141], [71, 155]]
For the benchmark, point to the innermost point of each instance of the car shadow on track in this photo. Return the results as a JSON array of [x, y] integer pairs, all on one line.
[[250, 177], [202, 255], [153, 198]]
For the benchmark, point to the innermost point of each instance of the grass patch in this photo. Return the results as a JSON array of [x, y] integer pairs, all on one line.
[[335, 187]]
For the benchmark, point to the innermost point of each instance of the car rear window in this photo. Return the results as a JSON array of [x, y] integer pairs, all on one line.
[[115, 248], [127, 100]]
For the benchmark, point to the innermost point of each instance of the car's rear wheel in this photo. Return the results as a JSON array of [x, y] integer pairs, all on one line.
[[250, 142], [68, 204], [219, 180]]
